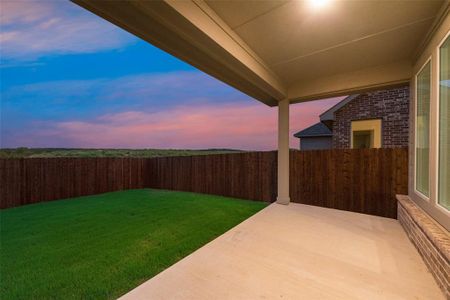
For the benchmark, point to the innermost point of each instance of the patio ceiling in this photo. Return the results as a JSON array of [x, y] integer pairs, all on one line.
[[271, 50]]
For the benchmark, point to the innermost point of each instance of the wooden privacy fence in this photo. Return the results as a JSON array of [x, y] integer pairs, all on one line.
[[363, 180], [249, 175], [31, 180]]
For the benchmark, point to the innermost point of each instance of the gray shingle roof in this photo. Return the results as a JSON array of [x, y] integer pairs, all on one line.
[[318, 129]]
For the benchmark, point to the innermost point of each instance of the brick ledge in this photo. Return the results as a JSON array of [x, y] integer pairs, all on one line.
[[435, 232]]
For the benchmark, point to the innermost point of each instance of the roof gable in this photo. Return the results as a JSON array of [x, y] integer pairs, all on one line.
[[328, 115]]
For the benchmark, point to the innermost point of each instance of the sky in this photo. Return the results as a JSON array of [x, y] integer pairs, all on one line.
[[70, 79]]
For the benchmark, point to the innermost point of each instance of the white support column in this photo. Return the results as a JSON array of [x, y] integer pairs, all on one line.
[[283, 152]]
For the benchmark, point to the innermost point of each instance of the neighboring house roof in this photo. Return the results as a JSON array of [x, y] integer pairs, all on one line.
[[318, 129], [327, 117], [323, 128]]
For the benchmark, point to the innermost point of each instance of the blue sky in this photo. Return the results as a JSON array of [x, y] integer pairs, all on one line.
[[71, 79]]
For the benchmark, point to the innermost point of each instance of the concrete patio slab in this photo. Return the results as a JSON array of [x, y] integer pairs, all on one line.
[[300, 252]]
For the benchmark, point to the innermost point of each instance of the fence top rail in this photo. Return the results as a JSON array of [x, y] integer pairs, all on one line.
[[243, 153]]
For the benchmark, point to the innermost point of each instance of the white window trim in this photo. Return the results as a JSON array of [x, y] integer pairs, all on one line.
[[417, 192], [436, 151]]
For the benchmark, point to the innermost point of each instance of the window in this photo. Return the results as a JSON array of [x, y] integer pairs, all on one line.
[[366, 134], [444, 125], [363, 139], [423, 88]]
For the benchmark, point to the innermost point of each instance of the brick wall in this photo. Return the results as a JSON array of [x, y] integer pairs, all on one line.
[[392, 106], [431, 240]]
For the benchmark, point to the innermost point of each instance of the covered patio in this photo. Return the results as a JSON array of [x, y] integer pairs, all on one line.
[[285, 52], [300, 252]]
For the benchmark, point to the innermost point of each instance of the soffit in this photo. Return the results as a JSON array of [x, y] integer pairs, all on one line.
[[298, 42]]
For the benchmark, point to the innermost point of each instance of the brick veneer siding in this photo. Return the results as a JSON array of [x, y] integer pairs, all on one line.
[[431, 240], [392, 106]]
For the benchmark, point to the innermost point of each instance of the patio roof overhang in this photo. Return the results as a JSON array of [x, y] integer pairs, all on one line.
[[273, 50]]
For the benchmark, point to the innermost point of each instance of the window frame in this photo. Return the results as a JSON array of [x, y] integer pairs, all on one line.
[[416, 191], [436, 123]]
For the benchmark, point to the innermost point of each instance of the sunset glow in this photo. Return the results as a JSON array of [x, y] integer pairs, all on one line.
[[71, 79]]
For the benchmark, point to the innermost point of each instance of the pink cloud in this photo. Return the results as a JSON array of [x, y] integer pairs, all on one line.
[[24, 11], [31, 29], [250, 126]]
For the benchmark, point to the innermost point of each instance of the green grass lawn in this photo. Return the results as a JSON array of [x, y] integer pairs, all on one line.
[[102, 246]]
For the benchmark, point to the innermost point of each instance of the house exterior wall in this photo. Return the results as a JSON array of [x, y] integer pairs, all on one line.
[[430, 52], [391, 106], [316, 143], [420, 232]]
